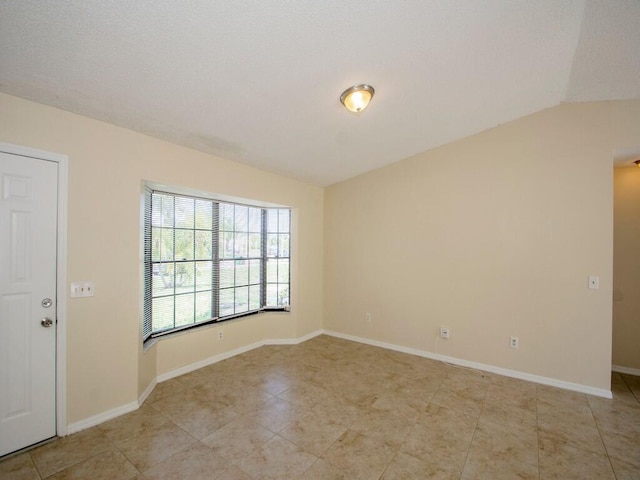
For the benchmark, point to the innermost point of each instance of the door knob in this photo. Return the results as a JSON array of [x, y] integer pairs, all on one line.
[[46, 322]]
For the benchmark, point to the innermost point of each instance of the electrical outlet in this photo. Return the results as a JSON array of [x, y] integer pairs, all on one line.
[[444, 332], [367, 317], [513, 342], [220, 335]]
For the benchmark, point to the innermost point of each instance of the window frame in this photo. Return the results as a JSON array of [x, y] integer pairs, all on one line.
[[217, 257]]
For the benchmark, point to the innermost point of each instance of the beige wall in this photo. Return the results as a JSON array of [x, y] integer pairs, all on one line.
[[106, 365], [492, 236], [626, 267]]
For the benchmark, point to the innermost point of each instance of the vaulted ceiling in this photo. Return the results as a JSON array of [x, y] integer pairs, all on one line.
[[259, 81]]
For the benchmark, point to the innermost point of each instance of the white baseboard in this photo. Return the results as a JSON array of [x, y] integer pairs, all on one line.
[[130, 407], [232, 353], [576, 387], [293, 341], [147, 391], [626, 370], [101, 418], [206, 362]]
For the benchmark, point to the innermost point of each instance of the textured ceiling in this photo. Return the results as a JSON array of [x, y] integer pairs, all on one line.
[[258, 82]]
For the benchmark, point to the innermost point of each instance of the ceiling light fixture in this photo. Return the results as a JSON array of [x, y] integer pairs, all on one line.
[[356, 98], [637, 162]]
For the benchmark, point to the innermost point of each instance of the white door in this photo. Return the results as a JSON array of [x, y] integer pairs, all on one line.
[[28, 223]]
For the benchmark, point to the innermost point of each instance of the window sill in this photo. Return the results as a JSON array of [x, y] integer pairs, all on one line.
[[151, 341]]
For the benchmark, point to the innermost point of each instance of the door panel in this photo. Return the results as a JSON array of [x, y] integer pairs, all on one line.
[[28, 235]]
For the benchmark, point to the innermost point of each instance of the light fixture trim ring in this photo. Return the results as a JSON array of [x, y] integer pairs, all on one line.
[[363, 87]]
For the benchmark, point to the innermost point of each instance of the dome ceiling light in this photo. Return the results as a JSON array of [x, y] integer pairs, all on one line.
[[356, 98]]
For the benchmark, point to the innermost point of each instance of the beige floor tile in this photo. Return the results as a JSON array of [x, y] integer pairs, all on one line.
[[441, 419], [357, 393], [144, 419], [406, 467], [110, 465], [358, 456], [459, 401], [275, 414], [423, 387], [229, 472], [505, 414], [521, 396], [564, 462], [305, 395], [378, 423], [472, 384], [397, 402], [499, 451], [242, 399], [441, 447], [625, 471], [278, 458], [622, 446], [498, 471], [623, 394], [415, 368], [153, 446], [341, 410], [237, 439], [513, 384], [617, 417], [165, 389], [68, 451], [273, 410], [18, 467], [198, 417], [558, 397], [274, 383], [194, 378], [197, 461], [576, 431], [633, 383], [313, 433], [323, 470]]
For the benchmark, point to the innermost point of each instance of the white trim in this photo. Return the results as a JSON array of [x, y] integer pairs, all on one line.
[[147, 392], [293, 341], [207, 361], [576, 387], [626, 370], [101, 417], [61, 281], [232, 353]]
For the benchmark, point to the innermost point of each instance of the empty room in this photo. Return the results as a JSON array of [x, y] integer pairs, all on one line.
[[320, 240]]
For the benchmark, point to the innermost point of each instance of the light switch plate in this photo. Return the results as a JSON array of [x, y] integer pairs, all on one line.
[[82, 289]]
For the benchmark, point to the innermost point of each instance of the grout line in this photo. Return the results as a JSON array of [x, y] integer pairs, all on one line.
[[606, 450], [466, 459], [629, 387]]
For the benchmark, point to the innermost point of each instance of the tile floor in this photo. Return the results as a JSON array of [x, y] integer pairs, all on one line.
[[333, 409]]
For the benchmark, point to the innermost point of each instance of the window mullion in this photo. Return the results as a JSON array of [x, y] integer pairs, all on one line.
[[175, 267], [263, 260], [215, 267]]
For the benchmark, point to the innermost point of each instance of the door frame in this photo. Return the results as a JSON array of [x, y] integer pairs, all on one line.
[[61, 273]]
